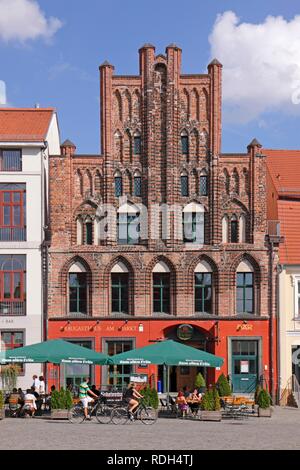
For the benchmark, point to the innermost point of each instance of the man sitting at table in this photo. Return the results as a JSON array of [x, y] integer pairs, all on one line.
[[30, 403]]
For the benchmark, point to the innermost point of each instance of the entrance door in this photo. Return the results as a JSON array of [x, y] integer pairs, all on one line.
[[244, 366]]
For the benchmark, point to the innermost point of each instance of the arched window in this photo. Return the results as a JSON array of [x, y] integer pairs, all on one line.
[[235, 182], [203, 184], [234, 230], [137, 148], [184, 184], [242, 229], [137, 184], [184, 143], [193, 223], [78, 290], [119, 289], [226, 181], [118, 184], [203, 288], [225, 229], [128, 225], [161, 288], [245, 288]]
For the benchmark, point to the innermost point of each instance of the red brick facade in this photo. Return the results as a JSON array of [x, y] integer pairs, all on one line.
[[160, 105]]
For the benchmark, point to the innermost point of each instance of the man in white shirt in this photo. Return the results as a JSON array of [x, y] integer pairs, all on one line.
[[36, 383]]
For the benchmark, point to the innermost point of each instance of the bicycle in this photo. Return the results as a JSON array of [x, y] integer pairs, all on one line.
[[146, 414], [99, 408]]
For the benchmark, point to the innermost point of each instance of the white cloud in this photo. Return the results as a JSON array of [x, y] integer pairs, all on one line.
[[3, 101], [261, 65], [22, 20]]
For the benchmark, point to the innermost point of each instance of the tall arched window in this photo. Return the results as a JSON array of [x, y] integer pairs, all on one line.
[[161, 288], [234, 230], [203, 183], [119, 289], [184, 143], [137, 184], [128, 225], [245, 288], [78, 290], [225, 229], [118, 184], [203, 288], [184, 184], [137, 148], [193, 223]]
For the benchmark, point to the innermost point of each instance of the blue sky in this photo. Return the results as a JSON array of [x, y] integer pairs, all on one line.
[[56, 63]]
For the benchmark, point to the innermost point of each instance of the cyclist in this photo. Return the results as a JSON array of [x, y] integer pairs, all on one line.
[[85, 396], [131, 396]]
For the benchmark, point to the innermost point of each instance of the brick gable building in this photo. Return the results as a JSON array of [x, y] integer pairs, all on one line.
[[206, 276]]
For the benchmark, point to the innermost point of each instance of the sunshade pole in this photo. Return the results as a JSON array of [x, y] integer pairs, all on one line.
[[168, 385]]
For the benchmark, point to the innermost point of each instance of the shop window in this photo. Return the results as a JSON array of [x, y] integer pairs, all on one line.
[[13, 340]]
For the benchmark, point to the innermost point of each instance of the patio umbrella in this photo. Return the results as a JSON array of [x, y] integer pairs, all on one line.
[[56, 351], [168, 353]]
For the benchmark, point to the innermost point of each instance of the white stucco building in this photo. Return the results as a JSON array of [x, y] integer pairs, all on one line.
[[27, 137]]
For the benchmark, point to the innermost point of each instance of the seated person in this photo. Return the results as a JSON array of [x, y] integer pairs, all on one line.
[[29, 402], [186, 392], [14, 401], [21, 395], [196, 398], [182, 403]]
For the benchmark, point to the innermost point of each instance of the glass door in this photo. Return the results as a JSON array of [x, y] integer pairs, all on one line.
[[244, 366], [75, 373]]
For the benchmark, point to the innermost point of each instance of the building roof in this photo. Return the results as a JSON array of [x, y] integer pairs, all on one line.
[[284, 168], [289, 216], [24, 124]]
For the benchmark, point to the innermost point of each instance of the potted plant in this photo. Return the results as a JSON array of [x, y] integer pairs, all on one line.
[[210, 406], [264, 404], [223, 386], [2, 408], [150, 397], [200, 383], [61, 402], [9, 376]]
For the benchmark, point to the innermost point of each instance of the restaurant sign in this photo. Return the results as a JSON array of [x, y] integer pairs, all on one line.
[[185, 332]]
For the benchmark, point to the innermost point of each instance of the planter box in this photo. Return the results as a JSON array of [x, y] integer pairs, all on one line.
[[59, 414], [211, 415], [2, 413], [264, 412]]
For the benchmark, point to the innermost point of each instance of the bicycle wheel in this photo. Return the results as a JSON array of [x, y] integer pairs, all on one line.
[[148, 415], [104, 414], [119, 415], [76, 414]]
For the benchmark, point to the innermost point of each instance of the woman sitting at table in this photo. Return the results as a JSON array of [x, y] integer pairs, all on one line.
[[182, 404], [194, 401]]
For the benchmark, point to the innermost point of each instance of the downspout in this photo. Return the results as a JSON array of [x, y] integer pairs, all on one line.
[[271, 361], [279, 271]]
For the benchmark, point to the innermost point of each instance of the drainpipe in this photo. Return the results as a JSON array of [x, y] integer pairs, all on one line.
[[279, 271], [271, 361]]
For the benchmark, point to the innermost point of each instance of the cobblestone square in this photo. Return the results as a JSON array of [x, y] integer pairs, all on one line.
[[280, 432]]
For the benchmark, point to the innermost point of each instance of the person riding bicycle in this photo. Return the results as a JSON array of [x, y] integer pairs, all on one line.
[[132, 397], [85, 396]]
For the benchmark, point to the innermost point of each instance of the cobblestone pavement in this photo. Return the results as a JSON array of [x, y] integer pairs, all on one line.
[[282, 431]]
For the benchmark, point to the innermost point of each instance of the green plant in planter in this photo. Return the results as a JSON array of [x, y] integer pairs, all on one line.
[[200, 381], [1, 400], [264, 399], [55, 400], [216, 397], [208, 401], [150, 397], [68, 400], [223, 386], [257, 392]]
